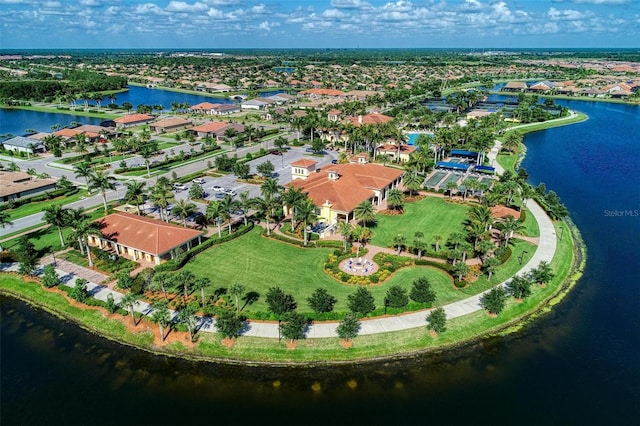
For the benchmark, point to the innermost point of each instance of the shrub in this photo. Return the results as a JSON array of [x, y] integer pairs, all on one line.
[[437, 320], [396, 297], [421, 291], [494, 300]]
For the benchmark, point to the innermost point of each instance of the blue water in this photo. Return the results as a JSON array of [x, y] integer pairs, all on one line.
[[17, 121], [577, 365], [413, 137]]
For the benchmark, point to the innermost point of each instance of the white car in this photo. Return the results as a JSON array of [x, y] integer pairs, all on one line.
[[199, 181], [180, 187], [230, 192], [217, 188]]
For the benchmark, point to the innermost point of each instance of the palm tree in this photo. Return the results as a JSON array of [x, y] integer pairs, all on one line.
[[290, 198], [490, 266], [245, 202], [161, 281], [161, 196], [135, 193], [436, 240], [508, 226], [236, 290], [413, 182], [451, 186], [270, 188], [182, 209], [56, 215], [161, 316], [201, 284], [227, 206], [346, 230], [418, 242], [102, 182], [129, 301], [365, 212], [399, 241], [4, 221], [212, 214], [186, 280], [306, 213], [362, 234], [395, 199], [83, 170], [82, 226], [187, 315], [266, 207]]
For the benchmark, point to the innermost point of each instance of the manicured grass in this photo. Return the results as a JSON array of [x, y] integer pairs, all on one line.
[[260, 263], [108, 267], [431, 215], [531, 228], [32, 208], [167, 145], [508, 161]]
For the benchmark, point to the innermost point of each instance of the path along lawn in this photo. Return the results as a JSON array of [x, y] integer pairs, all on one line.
[[431, 215], [260, 263]]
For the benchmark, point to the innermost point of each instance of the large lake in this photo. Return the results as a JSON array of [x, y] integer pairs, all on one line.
[[577, 365]]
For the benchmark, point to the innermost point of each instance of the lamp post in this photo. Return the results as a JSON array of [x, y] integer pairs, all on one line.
[[561, 233], [53, 254], [524, 252], [279, 322]]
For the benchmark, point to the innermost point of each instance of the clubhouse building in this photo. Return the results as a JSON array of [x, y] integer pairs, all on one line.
[[141, 238]]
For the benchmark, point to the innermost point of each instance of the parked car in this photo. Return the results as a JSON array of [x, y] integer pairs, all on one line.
[[217, 188], [219, 195], [180, 186], [334, 161], [276, 152], [199, 181], [194, 217], [230, 192]]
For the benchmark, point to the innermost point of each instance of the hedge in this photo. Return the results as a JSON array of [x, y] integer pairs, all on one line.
[[12, 204]]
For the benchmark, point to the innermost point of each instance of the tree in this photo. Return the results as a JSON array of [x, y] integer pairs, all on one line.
[[399, 242], [543, 273], [270, 188], [27, 255], [494, 300], [229, 324], [280, 302], [306, 214], [135, 193], [237, 290], [395, 199], [182, 209], [245, 202], [396, 297], [201, 284], [361, 301], [365, 212], [241, 170], [185, 280], [293, 326], [196, 191], [349, 327], [508, 226], [79, 291], [83, 170], [413, 182], [461, 269], [321, 301], [437, 321], [520, 287], [266, 206], [129, 301], [490, 266], [436, 240], [451, 187], [227, 206], [4, 221], [346, 230], [161, 281], [266, 169], [362, 235], [161, 316], [56, 215], [102, 182], [418, 243], [50, 277], [187, 316], [110, 304], [124, 280], [422, 292]]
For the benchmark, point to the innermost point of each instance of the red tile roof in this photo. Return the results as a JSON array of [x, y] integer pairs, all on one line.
[[355, 184], [211, 127], [144, 234], [304, 162], [373, 118], [134, 118]]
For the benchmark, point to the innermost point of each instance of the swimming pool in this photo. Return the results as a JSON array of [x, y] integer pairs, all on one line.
[[413, 137]]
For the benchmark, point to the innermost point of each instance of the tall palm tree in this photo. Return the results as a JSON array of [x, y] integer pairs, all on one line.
[[245, 202], [135, 193], [361, 234], [482, 215], [56, 215], [508, 226], [102, 182], [184, 208], [413, 182], [83, 170], [266, 206], [212, 214], [129, 301], [395, 199], [270, 188], [290, 198], [365, 212], [201, 284], [346, 230], [161, 196], [306, 213], [82, 226], [227, 206]]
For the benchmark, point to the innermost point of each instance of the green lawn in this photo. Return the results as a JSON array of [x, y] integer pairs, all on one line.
[[431, 215], [531, 228], [31, 208], [260, 263]]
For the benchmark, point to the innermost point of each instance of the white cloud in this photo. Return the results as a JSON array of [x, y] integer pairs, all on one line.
[[259, 9], [183, 7], [90, 3], [148, 8], [350, 4], [565, 15]]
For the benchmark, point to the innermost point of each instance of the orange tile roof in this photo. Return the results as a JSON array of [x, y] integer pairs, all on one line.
[[373, 118], [204, 105], [304, 162], [67, 133], [322, 92], [355, 184], [404, 149], [503, 211], [144, 234], [133, 118], [171, 122], [215, 126]]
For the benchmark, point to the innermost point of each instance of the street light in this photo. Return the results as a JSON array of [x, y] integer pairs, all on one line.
[[279, 322], [53, 254], [561, 233], [524, 252]]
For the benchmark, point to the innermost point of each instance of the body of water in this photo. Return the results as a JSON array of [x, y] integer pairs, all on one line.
[[577, 365]]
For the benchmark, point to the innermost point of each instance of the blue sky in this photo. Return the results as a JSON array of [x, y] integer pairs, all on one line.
[[318, 23]]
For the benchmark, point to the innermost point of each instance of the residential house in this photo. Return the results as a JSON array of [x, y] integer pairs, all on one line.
[[23, 144], [302, 168], [15, 185], [171, 124], [132, 120], [254, 104], [396, 152]]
